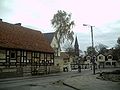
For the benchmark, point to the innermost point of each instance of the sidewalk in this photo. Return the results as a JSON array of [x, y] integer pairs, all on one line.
[[28, 77], [89, 82], [74, 72], [38, 76]]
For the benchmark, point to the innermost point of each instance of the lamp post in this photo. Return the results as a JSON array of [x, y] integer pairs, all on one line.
[[93, 60], [79, 66]]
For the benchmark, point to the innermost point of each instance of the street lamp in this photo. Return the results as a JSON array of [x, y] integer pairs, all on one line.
[[79, 66], [93, 60]]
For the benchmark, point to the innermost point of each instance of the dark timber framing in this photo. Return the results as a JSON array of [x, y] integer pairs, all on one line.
[[23, 51], [20, 58]]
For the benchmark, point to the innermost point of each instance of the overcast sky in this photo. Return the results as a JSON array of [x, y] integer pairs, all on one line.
[[36, 14]]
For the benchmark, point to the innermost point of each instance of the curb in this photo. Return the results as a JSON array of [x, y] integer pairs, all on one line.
[[22, 78], [70, 86]]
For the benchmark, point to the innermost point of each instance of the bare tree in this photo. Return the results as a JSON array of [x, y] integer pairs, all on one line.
[[91, 50], [69, 49], [101, 48], [116, 51], [118, 41]]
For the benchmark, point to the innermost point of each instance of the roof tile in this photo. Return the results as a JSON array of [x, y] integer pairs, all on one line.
[[19, 37]]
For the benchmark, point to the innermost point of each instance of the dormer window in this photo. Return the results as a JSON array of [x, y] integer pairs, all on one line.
[[109, 57], [88, 57]]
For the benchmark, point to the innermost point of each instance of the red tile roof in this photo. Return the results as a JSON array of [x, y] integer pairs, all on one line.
[[19, 37]]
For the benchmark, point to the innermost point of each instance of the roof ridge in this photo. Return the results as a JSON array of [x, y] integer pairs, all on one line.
[[15, 25]]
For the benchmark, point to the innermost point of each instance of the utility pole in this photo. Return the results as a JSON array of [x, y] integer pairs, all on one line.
[[93, 58]]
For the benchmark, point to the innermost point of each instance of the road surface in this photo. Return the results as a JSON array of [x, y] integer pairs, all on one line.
[[60, 81]]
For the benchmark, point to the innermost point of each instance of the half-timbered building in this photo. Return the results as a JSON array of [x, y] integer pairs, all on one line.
[[23, 47]]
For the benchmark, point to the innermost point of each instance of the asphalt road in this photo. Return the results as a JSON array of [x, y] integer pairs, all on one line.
[[49, 82]]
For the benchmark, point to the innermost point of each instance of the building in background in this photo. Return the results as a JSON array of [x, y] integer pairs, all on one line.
[[76, 47], [76, 59], [53, 42], [62, 59], [58, 60], [102, 60]]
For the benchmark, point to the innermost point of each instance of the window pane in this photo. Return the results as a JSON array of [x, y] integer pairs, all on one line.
[[36, 54], [25, 59], [51, 60], [48, 56], [13, 54], [2, 54], [42, 56], [33, 54], [21, 59], [51, 55], [24, 53], [18, 59], [100, 57], [29, 55], [7, 52], [18, 53]]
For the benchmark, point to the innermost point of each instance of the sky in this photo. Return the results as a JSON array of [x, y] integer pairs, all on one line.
[[37, 14]]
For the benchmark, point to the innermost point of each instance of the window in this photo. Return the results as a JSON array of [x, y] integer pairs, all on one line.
[[114, 63], [22, 59], [88, 57], [13, 54], [2, 54], [32, 54], [65, 61], [18, 53], [42, 56], [36, 55], [43, 61], [101, 57], [58, 64], [108, 63], [110, 57], [48, 56], [8, 52], [51, 56], [28, 55], [25, 60], [18, 59], [52, 61], [24, 53]]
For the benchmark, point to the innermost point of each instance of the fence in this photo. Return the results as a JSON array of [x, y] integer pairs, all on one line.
[[83, 66]]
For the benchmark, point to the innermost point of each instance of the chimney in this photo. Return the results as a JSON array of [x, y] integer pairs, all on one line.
[[19, 24]]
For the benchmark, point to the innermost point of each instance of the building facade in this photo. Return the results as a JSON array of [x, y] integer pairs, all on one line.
[[76, 47], [21, 47], [102, 61]]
